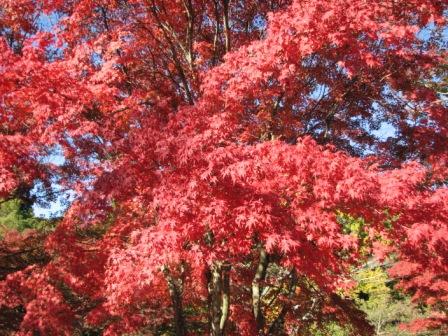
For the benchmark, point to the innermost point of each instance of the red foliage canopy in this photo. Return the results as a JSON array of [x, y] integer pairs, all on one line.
[[198, 133]]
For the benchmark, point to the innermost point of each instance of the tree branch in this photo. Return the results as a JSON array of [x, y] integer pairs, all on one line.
[[219, 297], [256, 288], [175, 289], [225, 4]]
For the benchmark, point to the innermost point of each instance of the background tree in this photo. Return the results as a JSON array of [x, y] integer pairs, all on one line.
[[21, 245], [387, 308]]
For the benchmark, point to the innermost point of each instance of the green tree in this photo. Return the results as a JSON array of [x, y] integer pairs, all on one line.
[[17, 215], [385, 306], [21, 244]]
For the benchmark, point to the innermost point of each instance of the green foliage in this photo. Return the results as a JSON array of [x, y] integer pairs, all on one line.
[[375, 294], [440, 82], [351, 225], [390, 220], [385, 306], [355, 227], [330, 329], [14, 215]]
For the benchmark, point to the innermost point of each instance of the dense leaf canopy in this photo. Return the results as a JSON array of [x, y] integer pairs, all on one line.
[[212, 147]]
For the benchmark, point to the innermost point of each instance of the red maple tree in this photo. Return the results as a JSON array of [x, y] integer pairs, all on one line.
[[211, 146]]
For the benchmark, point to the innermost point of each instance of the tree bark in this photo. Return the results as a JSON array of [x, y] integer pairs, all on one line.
[[257, 289], [225, 4], [175, 290], [216, 35], [190, 32], [219, 297], [225, 304]]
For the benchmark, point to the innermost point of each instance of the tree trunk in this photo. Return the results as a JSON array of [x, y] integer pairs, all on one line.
[[225, 4], [257, 289], [277, 325], [175, 289], [219, 297]]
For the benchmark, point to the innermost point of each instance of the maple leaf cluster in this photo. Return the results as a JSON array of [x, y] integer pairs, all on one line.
[[210, 146]]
